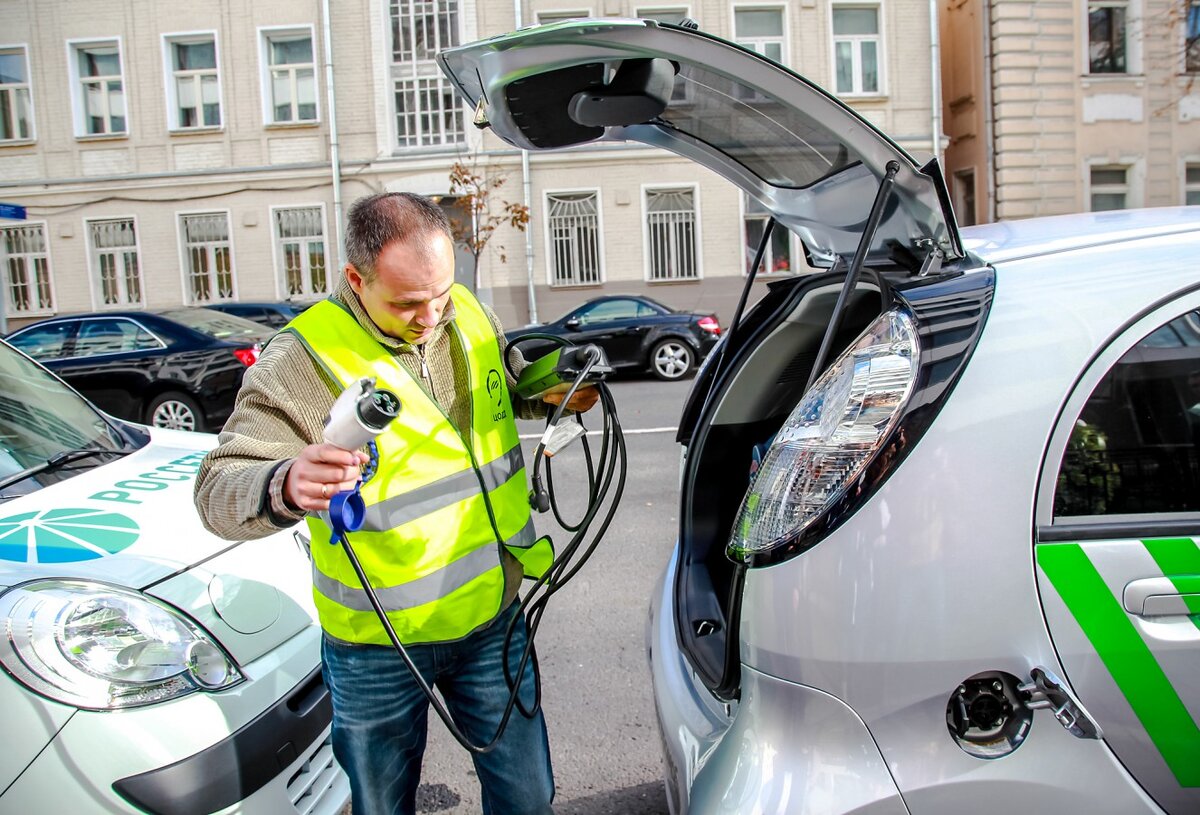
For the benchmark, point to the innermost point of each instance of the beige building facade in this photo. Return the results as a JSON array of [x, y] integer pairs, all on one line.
[[1061, 106], [177, 153]]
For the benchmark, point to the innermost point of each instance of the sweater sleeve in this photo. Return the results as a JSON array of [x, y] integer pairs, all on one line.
[[280, 409]]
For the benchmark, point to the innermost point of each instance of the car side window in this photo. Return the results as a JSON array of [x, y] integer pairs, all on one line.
[[611, 310], [45, 342], [112, 337], [1135, 447]]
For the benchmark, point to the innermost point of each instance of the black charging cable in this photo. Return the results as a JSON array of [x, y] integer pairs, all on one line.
[[611, 464]]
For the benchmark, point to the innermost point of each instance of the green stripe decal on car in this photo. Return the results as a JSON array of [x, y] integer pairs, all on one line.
[[1179, 559], [1127, 657]]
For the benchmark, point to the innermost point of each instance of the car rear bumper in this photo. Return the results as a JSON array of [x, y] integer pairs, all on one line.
[[782, 747]]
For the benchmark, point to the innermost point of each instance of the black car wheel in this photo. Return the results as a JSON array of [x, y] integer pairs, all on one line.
[[174, 410], [671, 359]]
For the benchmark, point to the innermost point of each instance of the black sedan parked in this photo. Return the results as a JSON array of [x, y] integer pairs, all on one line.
[[179, 368], [635, 332], [273, 315]]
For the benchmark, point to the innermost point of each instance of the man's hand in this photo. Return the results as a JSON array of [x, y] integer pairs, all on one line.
[[581, 402], [320, 472]]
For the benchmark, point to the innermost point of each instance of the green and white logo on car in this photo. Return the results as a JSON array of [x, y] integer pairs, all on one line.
[[65, 535]]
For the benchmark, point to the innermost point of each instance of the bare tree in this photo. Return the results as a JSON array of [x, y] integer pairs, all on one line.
[[478, 210]]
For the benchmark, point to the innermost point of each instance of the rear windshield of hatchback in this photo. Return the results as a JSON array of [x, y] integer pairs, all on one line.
[[219, 325]]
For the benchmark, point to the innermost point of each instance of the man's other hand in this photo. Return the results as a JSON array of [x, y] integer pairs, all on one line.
[[320, 472], [581, 402]]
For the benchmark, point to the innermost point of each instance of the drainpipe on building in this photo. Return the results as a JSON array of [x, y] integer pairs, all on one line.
[[334, 160], [989, 116], [527, 198], [935, 86]]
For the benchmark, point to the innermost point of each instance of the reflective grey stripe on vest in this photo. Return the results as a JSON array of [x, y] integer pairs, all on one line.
[[400, 509], [425, 589]]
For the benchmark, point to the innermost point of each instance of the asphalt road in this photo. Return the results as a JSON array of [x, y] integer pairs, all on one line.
[[596, 684]]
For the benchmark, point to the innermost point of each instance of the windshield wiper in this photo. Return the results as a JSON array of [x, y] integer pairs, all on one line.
[[60, 460]]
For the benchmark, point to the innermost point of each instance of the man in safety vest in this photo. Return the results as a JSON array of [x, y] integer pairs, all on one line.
[[448, 534]]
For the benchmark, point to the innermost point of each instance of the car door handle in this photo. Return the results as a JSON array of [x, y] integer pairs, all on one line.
[[1163, 596]]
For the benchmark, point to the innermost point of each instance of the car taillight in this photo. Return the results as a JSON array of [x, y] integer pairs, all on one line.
[[247, 356], [828, 440], [709, 324]]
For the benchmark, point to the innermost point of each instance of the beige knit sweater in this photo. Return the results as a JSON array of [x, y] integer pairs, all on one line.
[[282, 406]]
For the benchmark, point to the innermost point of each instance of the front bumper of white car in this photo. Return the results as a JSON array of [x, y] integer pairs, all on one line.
[[260, 748], [782, 747]]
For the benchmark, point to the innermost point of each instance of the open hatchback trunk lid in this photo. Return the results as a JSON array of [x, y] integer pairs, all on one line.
[[806, 157]]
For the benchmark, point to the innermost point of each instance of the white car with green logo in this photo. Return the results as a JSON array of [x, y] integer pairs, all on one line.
[[148, 665], [940, 501]]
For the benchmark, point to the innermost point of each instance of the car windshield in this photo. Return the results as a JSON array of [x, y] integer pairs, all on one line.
[[219, 325], [41, 418]]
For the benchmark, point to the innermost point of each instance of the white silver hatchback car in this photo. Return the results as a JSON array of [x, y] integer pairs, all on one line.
[[940, 503], [147, 665]]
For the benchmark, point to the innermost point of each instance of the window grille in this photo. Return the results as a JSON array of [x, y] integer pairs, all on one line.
[[99, 73], [27, 268], [301, 236], [197, 101], [292, 77], [209, 257], [115, 259], [574, 227], [16, 117], [421, 28], [428, 110], [671, 220]]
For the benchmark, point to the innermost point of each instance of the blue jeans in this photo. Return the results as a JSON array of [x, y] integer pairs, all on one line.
[[380, 717]]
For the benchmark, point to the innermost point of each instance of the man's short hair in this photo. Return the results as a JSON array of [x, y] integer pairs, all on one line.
[[377, 220]]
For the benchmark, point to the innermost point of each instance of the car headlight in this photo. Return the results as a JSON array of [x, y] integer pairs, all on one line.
[[102, 648], [828, 440]]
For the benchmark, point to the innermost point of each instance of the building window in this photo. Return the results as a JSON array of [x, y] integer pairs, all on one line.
[[964, 197], [428, 110], [777, 259], [97, 69], [27, 269], [674, 16], [208, 257], [573, 224], [548, 17], [1191, 45], [671, 234], [1107, 37], [760, 30], [113, 245], [1191, 185], [194, 97], [1109, 187], [301, 236], [291, 77], [16, 117], [856, 47]]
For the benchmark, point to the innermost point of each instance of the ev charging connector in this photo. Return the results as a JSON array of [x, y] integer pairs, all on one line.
[[559, 371]]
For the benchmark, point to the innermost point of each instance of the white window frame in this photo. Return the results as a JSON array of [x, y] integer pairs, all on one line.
[[647, 254], [295, 32], [185, 263], [170, 80], [9, 304], [93, 265], [562, 15], [1133, 39], [1184, 186], [1135, 180], [880, 40], [745, 261], [78, 105], [278, 255], [549, 238], [422, 76], [641, 11], [754, 43], [15, 88]]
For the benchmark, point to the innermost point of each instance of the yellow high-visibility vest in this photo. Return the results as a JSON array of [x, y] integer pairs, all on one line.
[[442, 501]]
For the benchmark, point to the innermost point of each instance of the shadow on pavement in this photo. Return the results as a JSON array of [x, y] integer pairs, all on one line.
[[644, 799]]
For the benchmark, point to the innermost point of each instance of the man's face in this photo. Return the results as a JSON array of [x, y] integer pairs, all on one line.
[[411, 286]]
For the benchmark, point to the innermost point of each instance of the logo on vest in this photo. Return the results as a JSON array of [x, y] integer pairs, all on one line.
[[495, 390]]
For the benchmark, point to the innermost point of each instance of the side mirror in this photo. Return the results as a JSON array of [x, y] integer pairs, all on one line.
[[572, 324]]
